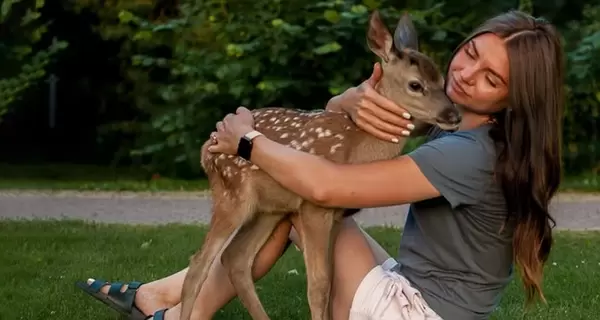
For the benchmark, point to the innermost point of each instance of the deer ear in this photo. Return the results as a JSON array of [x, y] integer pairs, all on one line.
[[405, 35], [379, 39]]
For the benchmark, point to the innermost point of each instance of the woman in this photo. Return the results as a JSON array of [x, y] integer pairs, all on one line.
[[479, 196]]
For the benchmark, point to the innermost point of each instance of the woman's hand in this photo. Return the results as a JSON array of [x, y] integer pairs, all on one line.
[[230, 131], [374, 113]]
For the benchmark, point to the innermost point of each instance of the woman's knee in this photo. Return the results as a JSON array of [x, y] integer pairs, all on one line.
[[296, 233], [353, 259], [282, 231]]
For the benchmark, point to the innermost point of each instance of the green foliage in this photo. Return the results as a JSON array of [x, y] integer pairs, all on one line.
[[23, 64], [526, 6], [185, 64], [225, 58], [252, 54], [582, 116]]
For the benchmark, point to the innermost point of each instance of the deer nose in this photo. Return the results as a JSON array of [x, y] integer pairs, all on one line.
[[449, 116]]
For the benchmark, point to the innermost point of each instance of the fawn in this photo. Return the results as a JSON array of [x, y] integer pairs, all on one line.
[[248, 204]]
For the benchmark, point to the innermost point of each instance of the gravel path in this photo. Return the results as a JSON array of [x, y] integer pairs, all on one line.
[[571, 211]]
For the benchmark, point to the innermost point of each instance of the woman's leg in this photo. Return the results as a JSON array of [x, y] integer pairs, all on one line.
[[355, 254], [216, 291], [354, 257]]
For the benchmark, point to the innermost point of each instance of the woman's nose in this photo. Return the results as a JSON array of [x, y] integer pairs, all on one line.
[[467, 74]]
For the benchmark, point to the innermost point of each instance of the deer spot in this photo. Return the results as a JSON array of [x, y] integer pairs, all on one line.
[[334, 148]]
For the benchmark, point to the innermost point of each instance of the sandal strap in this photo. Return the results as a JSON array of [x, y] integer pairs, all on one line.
[[115, 289], [134, 285], [97, 285], [158, 315], [127, 297], [122, 301]]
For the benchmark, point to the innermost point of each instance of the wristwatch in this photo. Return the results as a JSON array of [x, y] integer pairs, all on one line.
[[245, 145]]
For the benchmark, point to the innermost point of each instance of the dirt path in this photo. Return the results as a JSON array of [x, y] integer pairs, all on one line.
[[571, 211]]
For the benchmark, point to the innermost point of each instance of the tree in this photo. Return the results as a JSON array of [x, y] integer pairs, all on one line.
[[23, 63]]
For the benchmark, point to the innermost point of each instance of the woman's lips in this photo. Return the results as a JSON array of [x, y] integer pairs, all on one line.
[[458, 88]]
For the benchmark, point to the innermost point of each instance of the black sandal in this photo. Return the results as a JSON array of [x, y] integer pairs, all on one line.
[[123, 302], [158, 315]]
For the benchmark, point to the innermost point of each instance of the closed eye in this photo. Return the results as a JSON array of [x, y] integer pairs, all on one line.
[[469, 54], [470, 50]]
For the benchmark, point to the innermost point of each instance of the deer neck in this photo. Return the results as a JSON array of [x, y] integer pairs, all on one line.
[[372, 148], [384, 88]]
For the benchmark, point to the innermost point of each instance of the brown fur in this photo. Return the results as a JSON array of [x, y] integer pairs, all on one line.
[[248, 204]]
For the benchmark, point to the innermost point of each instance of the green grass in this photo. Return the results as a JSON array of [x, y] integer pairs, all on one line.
[[95, 178], [42, 260], [584, 183]]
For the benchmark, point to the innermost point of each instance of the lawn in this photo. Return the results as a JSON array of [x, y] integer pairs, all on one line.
[[42, 260]]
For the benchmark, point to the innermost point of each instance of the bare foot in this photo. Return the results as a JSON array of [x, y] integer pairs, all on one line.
[[147, 299]]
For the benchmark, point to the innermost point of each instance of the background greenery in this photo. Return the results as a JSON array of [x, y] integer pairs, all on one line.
[[142, 82]]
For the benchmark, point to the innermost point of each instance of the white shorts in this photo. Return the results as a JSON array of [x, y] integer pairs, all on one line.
[[387, 295]]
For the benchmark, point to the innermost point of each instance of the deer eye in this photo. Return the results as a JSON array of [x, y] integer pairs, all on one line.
[[415, 86]]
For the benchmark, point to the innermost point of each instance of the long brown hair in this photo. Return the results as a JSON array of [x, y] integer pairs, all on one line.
[[528, 137]]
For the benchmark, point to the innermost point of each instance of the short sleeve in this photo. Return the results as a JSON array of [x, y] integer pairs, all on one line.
[[458, 165]]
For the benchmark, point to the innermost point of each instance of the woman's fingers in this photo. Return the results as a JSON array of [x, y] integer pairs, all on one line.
[[241, 109], [220, 126], [398, 122], [215, 148], [219, 142], [375, 75], [370, 129], [384, 119], [365, 116], [371, 95]]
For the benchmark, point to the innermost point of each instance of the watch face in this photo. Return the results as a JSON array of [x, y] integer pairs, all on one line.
[[244, 148]]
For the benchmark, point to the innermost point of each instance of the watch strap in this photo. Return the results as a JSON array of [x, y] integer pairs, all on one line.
[[252, 134]]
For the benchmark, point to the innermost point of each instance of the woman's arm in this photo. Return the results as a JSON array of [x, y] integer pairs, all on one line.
[[330, 184], [376, 184], [320, 180]]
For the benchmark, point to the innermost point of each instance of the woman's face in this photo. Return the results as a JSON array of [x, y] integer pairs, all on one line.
[[478, 75]]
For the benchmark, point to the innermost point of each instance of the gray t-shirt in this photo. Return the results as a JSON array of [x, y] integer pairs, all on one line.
[[454, 248]]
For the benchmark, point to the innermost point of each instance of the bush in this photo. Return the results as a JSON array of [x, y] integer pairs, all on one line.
[[255, 54], [22, 63], [188, 63]]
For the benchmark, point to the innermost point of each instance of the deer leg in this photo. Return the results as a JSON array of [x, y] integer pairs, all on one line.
[[319, 227], [238, 259], [221, 230]]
